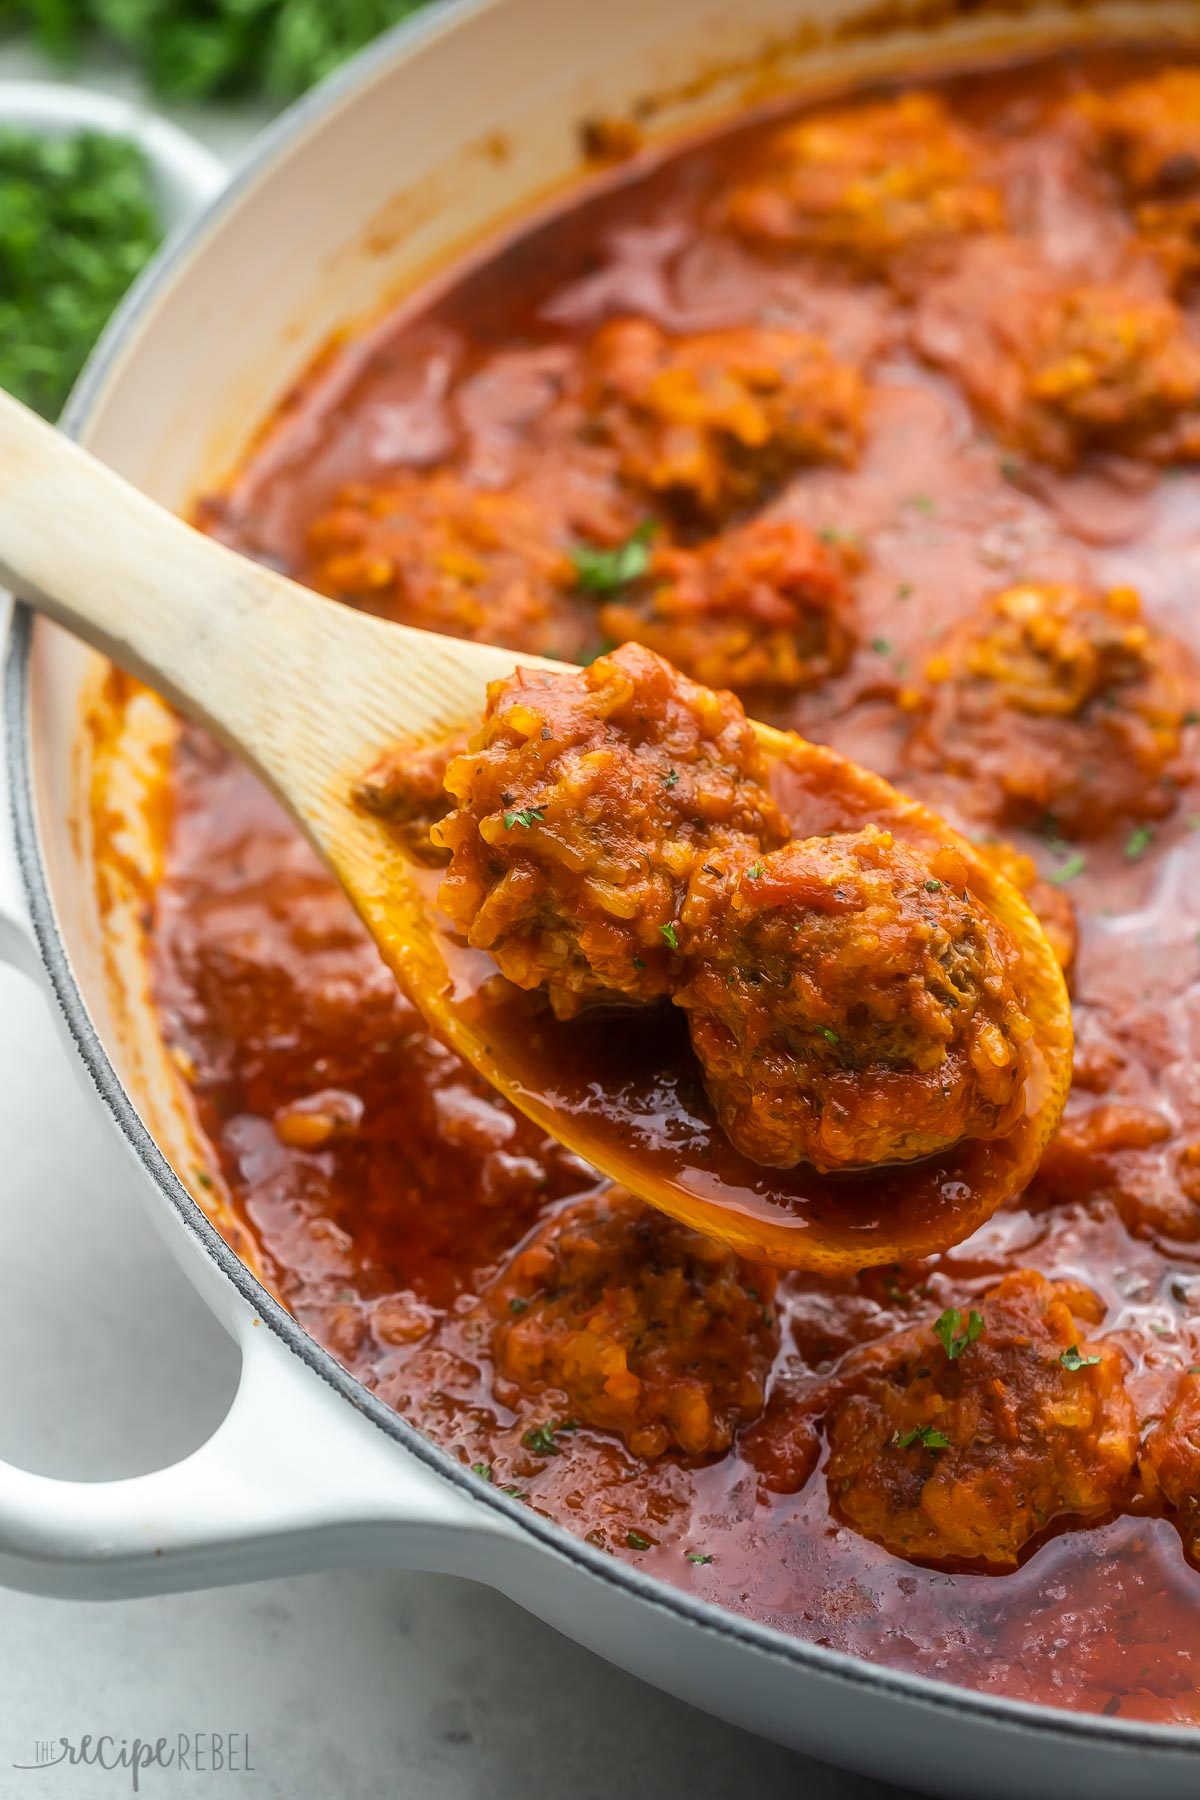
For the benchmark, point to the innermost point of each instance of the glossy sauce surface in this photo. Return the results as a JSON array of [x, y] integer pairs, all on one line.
[[386, 1235]]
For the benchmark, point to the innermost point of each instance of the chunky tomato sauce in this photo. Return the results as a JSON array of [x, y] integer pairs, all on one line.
[[397, 1204]]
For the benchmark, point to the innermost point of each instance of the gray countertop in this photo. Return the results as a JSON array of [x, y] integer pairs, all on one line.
[[348, 1686]]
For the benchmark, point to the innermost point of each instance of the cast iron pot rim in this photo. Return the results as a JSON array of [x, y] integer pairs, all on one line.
[[923, 1691]]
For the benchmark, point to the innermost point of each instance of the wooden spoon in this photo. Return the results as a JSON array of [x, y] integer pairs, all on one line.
[[309, 693]]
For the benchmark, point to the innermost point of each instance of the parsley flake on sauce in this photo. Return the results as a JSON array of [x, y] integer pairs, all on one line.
[[483, 1470], [526, 816], [928, 1436], [668, 931], [698, 1556], [604, 571], [636, 1541], [541, 1439], [1071, 1359], [1074, 865], [953, 1335], [1138, 842]]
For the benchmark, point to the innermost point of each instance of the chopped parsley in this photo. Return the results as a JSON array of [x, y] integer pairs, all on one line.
[[200, 49], [933, 885], [953, 1335], [754, 872], [483, 1470], [638, 963], [636, 1541], [526, 816], [668, 931], [927, 1436], [1138, 842], [830, 1036], [517, 1305], [1071, 1359], [1074, 865], [698, 1556], [670, 778], [78, 221], [543, 1439], [600, 571], [881, 646]]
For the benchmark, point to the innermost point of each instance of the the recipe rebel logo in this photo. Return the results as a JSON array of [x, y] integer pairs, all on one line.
[[184, 1753]]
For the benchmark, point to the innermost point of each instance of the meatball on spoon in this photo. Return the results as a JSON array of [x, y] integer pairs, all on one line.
[[880, 1039]]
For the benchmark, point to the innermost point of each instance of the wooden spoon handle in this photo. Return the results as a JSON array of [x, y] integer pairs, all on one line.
[[298, 686]]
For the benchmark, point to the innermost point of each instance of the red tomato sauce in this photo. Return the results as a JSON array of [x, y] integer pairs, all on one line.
[[389, 1191]]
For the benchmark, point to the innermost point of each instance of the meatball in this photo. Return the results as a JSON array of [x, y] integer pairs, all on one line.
[[869, 184], [766, 607], [1060, 703], [959, 1445], [1171, 1459], [434, 551], [715, 421], [626, 1321], [1051, 907], [1148, 134], [850, 1004], [585, 802], [1061, 369], [406, 788]]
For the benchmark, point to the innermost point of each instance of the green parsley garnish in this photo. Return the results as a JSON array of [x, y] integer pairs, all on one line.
[[198, 49], [525, 816], [636, 1541], [698, 1556], [830, 1036], [933, 885], [517, 1305], [204, 1179], [1071, 1359], [604, 571], [668, 931], [754, 872], [1074, 865], [927, 1436], [543, 1439], [953, 1336], [881, 646], [483, 1470], [77, 222], [670, 778], [1138, 842]]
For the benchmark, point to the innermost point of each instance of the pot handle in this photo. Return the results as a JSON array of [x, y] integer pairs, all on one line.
[[292, 1480]]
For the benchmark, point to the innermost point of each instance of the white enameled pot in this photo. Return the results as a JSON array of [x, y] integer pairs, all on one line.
[[452, 122]]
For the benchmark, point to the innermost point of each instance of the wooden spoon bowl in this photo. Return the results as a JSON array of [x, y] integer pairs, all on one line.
[[309, 693]]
